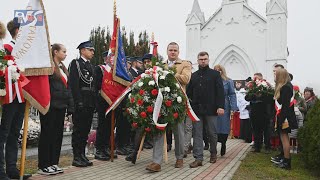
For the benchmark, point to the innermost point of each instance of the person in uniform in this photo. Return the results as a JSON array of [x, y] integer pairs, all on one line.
[[11, 122], [82, 86], [183, 75], [136, 67]]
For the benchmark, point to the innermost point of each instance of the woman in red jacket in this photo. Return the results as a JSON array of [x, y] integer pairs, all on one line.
[[286, 119]]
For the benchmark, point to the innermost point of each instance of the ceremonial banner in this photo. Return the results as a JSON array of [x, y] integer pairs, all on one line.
[[32, 51], [115, 76], [120, 71], [32, 48]]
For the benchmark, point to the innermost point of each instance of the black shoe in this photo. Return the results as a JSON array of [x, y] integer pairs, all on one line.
[[285, 164], [15, 174], [129, 149], [79, 162], [223, 149], [147, 145], [100, 155], [169, 147], [277, 159], [122, 151], [132, 157], [206, 146], [86, 160], [115, 156]]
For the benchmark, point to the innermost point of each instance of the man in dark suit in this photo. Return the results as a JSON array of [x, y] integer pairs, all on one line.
[[207, 106], [82, 86], [104, 122], [136, 67]]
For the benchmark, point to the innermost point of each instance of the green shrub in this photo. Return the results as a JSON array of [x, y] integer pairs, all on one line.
[[309, 138]]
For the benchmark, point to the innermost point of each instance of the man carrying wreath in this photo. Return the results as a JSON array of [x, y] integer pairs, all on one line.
[[183, 75]]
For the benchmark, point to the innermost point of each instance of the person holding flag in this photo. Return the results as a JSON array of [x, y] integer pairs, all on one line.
[[11, 121], [104, 122], [83, 91]]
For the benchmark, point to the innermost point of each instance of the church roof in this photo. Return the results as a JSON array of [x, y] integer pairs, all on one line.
[[245, 5], [196, 7]]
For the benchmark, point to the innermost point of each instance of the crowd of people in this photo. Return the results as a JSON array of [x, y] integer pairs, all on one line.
[[213, 96]]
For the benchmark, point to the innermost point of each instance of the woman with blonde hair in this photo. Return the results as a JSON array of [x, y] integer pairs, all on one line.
[[223, 126], [285, 115]]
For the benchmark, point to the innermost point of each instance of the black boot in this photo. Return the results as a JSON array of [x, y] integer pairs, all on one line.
[[132, 157], [101, 155], [223, 149], [206, 146], [84, 158], [107, 151], [285, 164], [77, 159]]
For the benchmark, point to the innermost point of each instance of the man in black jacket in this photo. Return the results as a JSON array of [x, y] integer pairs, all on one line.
[[206, 94], [82, 86], [260, 116]]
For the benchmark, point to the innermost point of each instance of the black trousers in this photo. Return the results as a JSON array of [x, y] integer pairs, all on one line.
[[82, 121], [246, 130], [261, 130], [11, 123], [169, 137], [104, 125], [51, 135], [123, 128], [205, 135]]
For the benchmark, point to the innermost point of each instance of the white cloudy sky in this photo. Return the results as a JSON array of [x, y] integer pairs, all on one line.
[[70, 22]]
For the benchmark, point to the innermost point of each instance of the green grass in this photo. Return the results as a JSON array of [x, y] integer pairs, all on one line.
[[259, 166]]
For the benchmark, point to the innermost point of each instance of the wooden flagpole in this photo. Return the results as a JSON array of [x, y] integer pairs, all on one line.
[[24, 140], [141, 145]]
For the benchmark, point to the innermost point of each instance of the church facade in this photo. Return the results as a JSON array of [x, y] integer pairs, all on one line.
[[238, 38]]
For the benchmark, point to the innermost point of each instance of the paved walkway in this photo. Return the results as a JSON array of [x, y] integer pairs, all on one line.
[[224, 168]]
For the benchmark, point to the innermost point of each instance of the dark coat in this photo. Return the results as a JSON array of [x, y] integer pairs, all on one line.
[[61, 96], [287, 111], [134, 73], [261, 107], [206, 92], [82, 83]]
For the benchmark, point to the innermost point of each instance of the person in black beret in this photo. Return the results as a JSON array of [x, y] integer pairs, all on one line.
[[83, 91], [146, 59], [136, 67]]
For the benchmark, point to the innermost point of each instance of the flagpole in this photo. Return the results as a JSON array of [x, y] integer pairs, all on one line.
[[24, 140]]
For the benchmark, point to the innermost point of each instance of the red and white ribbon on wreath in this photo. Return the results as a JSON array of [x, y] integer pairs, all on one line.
[[278, 106], [10, 92], [159, 100]]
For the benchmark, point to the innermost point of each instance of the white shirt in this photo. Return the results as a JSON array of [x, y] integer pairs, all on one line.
[[171, 63], [85, 60], [136, 70]]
